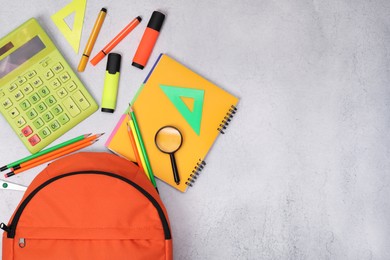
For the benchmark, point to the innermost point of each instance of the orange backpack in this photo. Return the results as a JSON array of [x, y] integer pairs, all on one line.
[[89, 206]]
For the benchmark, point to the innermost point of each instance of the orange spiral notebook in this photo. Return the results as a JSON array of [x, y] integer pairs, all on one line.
[[174, 95]]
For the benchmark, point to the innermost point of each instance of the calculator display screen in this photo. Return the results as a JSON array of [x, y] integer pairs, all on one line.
[[20, 56]]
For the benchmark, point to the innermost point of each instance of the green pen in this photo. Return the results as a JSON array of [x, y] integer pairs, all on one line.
[[58, 146], [111, 80]]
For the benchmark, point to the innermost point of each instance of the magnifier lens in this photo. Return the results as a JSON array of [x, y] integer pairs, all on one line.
[[168, 139]]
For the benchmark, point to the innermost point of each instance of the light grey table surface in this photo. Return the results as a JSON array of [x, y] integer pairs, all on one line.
[[303, 171]]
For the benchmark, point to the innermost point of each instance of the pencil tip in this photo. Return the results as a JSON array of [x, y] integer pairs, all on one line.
[[130, 108], [87, 135]]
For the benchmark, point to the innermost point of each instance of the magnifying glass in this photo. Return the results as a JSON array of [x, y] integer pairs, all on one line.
[[168, 140]]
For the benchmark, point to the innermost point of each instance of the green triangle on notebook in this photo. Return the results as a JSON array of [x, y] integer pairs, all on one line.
[[189, 102], [71, 33]]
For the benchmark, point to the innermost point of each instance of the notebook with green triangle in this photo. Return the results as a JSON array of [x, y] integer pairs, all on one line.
[[174, 95]]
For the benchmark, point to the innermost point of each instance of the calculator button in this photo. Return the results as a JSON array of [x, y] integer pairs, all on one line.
[[49, 74], [6, 103], [18, 95], [12, 87], [55, 83], [51, 100], [65, 77], [45, 132], [32, 114], [71, 86], [34, 140], [20, 122], [38, 123], [43, 92], [41, 107], [14, 112], [80, 100], [27, 131], [25, 104], [27, 89], [56, 110], [71, 107], [62, 93], [64, 119], [37, 82], [58, 67], [54, 125], [21, 80], [48, 116], [34, 98], [30, 74]]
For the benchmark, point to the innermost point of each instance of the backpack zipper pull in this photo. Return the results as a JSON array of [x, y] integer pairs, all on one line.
[[4, 227], [22, 242]]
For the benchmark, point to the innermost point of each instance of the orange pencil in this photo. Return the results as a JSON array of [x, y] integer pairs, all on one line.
[[50, 158], [76, 148], [114, 42], [132, 140], [40, 158], [72, 148]]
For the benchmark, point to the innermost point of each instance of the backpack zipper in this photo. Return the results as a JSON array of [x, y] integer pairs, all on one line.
[[11, 229], [22, 242]]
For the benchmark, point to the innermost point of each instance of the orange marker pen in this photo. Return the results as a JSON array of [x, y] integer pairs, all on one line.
[[148, 40], [114, 42]]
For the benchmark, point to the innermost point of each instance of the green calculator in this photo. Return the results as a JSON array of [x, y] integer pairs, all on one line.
[[40, 95]]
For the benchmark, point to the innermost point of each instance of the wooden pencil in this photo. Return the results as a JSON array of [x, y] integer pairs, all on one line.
[[81, 145], [143, 150], [140, 162]]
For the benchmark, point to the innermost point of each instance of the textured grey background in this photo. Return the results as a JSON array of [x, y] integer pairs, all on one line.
[[303, 171]]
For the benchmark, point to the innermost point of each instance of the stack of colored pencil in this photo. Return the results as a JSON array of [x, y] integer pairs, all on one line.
[[50, 154], [138, 146]]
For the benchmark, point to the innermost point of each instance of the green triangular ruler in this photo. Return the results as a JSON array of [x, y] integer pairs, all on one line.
[[72, 35], [175, 95]]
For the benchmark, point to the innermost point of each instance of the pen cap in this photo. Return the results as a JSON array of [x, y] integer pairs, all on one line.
[[156, 20], [114, 63]]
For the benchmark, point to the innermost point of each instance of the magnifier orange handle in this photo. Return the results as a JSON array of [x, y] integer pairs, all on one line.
[[176, 176]]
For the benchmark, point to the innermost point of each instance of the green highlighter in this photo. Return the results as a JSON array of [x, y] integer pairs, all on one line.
[[111, 81]]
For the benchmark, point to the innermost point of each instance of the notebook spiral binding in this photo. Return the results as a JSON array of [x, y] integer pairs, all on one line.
[[226, 120], [195, 172]]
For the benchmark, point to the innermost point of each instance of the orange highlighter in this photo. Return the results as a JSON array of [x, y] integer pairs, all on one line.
[[114, 42], [148, 40]]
